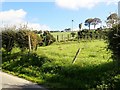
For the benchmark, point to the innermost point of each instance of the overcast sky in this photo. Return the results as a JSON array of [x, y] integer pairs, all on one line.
[[55, 14]]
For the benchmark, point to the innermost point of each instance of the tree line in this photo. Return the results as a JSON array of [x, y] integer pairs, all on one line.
[[110, 21]]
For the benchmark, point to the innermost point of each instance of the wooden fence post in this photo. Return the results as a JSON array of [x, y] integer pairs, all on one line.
[[29, 43], [76, 56], [68, 37], [62, 37], [57, 38]]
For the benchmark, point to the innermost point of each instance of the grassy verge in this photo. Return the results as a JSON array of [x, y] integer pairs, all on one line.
[[52, 66]]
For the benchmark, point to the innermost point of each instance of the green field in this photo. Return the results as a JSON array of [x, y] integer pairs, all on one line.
[[52, 66], [90, 51], [62, 35]]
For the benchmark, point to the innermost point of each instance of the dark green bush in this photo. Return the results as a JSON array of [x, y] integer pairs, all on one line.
[[114, 41], [40, 40], [91, 34], [8, 39], [73, 34], [22, 39], [48, 38]]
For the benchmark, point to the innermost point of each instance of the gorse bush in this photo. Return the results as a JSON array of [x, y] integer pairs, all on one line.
[[114, 41]]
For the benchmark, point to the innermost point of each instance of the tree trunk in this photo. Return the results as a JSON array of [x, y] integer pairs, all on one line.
[[89, 26], [94, 26]]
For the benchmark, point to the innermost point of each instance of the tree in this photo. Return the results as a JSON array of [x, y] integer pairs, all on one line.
[[88, 22], [72, 24], [48, 38], [73, 34], [40, 31], [96, 21], [80, 26], [112, 19], [68, 29]]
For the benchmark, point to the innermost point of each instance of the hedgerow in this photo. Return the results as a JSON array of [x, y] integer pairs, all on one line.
[[20, 38]]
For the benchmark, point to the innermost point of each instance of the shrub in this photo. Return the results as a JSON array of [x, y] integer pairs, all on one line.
[[48, 38], [73, 34], [40, 40], [34, 39], [22, 39], [91, 34], [114, 41], [8, 39]]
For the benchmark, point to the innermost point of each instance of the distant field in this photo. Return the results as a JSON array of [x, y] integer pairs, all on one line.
[[52, 65], [62, 35]]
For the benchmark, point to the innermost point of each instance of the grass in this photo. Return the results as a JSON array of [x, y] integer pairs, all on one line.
[[90, 52], [52, 66]]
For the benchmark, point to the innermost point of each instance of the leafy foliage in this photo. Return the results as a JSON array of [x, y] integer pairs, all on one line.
[[8, 39], [88, 22], [48, 38], [91, 34], [73, 34], [96, 21], [92, 21], [114, 41], [112, 19], [80, 26], [22, 39]]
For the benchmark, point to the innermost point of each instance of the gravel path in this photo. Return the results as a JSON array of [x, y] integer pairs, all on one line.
[[10, 82]]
